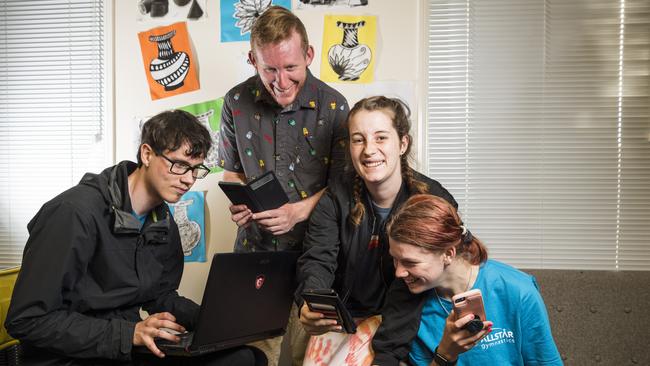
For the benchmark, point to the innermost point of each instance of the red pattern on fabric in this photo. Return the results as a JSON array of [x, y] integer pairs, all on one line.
[[344, 349]]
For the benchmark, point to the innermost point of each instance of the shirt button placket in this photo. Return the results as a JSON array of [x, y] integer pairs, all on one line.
[[276, 153]]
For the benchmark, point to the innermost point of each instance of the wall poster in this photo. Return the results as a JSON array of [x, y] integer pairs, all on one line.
[[348, 49]]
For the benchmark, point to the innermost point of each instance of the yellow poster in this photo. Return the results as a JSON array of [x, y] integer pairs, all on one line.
[[349, 49]]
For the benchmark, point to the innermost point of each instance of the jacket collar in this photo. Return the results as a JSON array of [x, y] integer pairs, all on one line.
[[402, 196], [113, 184]]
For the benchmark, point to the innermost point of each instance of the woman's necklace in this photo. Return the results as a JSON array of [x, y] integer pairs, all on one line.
[[471, 271]]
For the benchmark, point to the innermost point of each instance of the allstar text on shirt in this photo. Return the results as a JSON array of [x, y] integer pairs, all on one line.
[[496, 337]]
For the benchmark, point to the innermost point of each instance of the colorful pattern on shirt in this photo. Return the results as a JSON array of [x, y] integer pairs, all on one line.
[[303, 143]]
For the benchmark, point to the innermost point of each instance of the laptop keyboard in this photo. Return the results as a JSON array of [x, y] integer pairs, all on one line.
[[184, 343]]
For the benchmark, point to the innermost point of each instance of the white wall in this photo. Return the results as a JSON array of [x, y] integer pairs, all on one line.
[[222, 65]]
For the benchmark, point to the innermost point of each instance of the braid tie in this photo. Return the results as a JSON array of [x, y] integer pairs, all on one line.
[[466, 235]]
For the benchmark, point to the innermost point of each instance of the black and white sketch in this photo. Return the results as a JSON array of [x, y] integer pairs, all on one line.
[[212, 160], [349, 58], [247, 11], [330, 3], [170, 10], [170, 68], [190, 231]]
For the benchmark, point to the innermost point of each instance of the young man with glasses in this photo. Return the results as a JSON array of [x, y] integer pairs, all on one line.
[[107, 247]]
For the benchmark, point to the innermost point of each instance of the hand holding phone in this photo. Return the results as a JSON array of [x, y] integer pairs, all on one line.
[[470, 302], [328, 303], [460, 335]]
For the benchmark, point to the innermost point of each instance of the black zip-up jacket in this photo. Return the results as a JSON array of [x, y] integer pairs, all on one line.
[[87, 269], [399, 325], [332, 250]]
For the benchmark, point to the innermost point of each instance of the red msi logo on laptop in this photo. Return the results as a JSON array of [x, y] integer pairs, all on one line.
[[259, 281]]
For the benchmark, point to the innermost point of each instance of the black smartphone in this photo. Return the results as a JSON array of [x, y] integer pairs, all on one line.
[[327, 302]]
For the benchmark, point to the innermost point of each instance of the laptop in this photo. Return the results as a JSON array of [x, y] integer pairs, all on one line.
[[247, 298]]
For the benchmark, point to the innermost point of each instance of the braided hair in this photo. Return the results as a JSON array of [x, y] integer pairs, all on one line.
[[399, 113]]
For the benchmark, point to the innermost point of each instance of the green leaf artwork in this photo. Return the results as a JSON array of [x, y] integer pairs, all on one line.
[[209, 114]]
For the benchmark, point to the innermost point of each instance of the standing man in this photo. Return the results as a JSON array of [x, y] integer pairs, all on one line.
[[107, 247], [282, 119]]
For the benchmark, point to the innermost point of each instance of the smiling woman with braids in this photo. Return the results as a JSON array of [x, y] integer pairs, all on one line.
[[346, 247]]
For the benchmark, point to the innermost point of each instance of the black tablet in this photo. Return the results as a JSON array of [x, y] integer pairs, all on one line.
[[327, 302], [261, 194]]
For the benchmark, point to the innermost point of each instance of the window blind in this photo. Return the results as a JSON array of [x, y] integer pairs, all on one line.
[[538, 121], [52, 107]]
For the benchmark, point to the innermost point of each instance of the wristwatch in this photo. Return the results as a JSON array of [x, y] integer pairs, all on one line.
[[441, 360]]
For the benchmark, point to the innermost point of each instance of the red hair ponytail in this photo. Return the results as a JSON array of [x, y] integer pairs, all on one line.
[[432, 223]]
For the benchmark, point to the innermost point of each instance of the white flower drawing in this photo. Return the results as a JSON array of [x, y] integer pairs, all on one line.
[[247, 12]]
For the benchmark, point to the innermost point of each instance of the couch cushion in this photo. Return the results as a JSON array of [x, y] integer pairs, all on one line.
[[598, 317]]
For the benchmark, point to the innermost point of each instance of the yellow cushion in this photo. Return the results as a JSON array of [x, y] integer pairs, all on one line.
[[7, 280]]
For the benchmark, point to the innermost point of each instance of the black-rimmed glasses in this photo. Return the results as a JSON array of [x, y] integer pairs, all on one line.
[[180, 168]]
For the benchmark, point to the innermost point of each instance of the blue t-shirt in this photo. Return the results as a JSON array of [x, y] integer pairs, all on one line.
[[381, 212], [521, 334], [142, 218]]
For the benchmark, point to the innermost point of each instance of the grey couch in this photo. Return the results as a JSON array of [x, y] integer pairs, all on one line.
[[598, 317]]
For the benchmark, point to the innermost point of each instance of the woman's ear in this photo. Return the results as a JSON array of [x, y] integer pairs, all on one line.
[[404, 144], [449, 255]]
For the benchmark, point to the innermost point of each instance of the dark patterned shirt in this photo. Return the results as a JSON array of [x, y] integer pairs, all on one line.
[[303, 143]]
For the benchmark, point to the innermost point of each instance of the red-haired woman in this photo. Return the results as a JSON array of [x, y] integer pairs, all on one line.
[[436, 257], [346, 247]]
